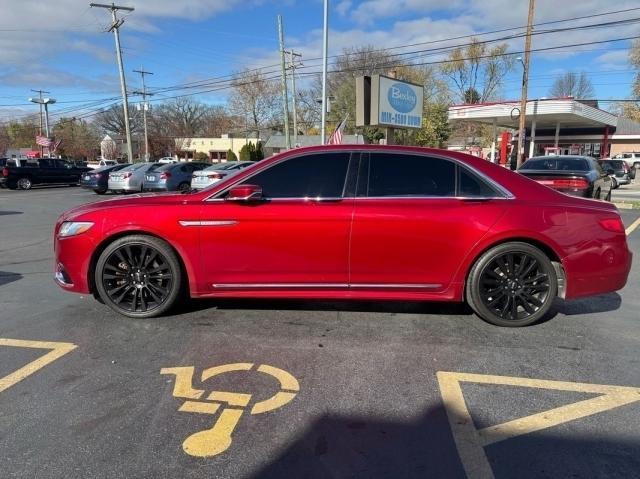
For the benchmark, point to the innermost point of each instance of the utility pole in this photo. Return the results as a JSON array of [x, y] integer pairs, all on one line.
[[40, 92], [292, 66], [325, 47], [525, 82], [285, 97], [115, 28], [144, 110]]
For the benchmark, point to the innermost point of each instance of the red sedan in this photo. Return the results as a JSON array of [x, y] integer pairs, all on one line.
[[349, 221]]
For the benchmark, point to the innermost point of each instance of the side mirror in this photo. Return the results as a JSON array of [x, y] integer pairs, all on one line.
[[245, 193]]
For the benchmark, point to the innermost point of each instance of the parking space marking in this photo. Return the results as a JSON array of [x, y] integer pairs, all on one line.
[[471, 441], [218, 438], [632, 227], [58, 350]]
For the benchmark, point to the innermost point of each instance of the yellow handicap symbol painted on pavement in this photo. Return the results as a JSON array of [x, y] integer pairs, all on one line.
[[57, 350], [217, 439], [471, 441]]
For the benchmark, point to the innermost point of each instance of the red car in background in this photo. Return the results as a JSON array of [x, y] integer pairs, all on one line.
[[349, 221]]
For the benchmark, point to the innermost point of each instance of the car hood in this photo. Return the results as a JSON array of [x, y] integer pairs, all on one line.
[[149, 199]]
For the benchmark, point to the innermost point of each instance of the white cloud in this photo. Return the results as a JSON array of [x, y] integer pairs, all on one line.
[[343, 7]]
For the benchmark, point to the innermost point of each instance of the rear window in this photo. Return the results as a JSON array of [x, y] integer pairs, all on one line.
[[618, 164], [134, 167], [562, 164]]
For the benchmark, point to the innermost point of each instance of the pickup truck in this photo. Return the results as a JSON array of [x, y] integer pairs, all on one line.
[[45, 171]]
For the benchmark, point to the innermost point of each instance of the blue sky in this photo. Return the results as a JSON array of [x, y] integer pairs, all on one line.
[[59, 46]]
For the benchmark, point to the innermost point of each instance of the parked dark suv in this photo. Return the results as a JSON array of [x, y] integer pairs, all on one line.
[[618, 170]]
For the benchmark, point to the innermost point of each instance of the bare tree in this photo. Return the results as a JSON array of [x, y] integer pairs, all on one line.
[[217, 121], [256, 100], [477, 71], [5, 141], [111, 120], [80, 139], [578, 86], [632, 109]]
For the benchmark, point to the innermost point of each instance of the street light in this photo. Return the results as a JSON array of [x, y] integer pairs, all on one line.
[[45, 102]]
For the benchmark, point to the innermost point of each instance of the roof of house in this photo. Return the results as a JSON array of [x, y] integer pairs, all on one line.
[[627, 126]]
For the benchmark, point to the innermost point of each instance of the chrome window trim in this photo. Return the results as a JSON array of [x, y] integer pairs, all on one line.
[[501, 189]]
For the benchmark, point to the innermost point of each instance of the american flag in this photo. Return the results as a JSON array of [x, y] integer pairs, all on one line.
[[336, 136], [43, 141]]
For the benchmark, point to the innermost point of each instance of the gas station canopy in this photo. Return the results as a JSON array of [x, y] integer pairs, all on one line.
[[546, 113]]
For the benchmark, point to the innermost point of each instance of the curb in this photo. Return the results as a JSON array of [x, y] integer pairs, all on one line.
[[627, 205]]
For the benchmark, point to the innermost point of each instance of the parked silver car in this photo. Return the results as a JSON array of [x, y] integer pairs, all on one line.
[[214, 173], [130, 178]]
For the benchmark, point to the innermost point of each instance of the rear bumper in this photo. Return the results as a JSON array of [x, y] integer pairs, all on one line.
[[598, 269], [117, 186]]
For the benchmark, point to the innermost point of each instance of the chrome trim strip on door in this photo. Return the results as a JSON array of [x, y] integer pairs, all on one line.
[[396, 286], [208, 223], [279, 285], [324, 285]]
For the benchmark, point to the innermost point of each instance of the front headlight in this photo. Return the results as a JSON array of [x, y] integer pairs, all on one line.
[[72, 228]]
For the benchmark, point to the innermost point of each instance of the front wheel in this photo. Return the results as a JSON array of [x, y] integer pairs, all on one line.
[[138, 276], [512, 284], [184, 187]]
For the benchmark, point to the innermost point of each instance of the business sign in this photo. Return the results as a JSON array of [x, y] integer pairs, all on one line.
[[396, 103]]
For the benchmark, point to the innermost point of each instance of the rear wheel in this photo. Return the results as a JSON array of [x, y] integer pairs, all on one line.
[[100, 191], [512, 284], [138, 276], [24, 183], [614, 183]]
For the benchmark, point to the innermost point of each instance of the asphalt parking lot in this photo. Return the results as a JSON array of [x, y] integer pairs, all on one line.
[[262, 389]]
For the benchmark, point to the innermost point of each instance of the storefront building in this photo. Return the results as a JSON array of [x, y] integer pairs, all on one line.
[[553, 126]]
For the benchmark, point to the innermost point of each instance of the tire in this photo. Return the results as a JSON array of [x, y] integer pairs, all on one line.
[[632, 172], [608, 197], [519, 272], [138, 276], [183, 187], [101, 191], [614, 183], [24, 183]]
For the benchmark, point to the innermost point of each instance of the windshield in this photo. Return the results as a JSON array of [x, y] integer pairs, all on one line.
[[555, 163], [134, 167]]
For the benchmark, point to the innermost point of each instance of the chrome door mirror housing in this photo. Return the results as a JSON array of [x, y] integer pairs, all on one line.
[[245, 194]]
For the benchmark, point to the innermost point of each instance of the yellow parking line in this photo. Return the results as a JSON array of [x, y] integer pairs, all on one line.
[[633, 226], [57, 351], [471, 441]]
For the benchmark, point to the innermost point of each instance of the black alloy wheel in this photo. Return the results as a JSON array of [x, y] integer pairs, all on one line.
[[184, 187], [513, 284], [138, 276], [24, 183]]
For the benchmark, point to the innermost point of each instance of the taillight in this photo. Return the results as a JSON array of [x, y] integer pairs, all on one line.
[[5, 172], [215, 176], [165, 175], [612, 224], [126, 175], [570, 183]]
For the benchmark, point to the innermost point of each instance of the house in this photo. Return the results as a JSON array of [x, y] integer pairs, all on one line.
[[114, 147]]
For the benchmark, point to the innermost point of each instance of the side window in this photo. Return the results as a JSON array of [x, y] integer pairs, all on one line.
[[410, 175], [186, 169], [471, 186], [317, 175]]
